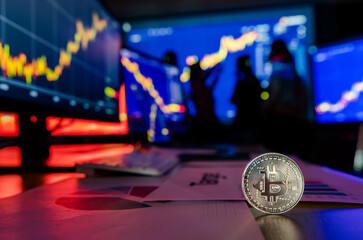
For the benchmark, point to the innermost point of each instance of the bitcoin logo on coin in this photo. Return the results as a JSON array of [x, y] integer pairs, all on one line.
[[273, 183]]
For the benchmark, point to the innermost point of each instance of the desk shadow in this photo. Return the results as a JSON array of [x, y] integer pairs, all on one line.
[[279, 227], [99, 203]]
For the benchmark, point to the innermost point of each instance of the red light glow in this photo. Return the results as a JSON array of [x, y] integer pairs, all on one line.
[[50, 178], [10, 185], [78, 127], [10, 157], [33, 119], [9, 126], [69, 155]]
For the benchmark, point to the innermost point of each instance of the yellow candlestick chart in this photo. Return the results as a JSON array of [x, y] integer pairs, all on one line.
[[21, 66], [228, 44], [346, 98], [148, 86]]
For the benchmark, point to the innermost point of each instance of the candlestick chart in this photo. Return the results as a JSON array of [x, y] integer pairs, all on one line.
[[153, 94], [18, 66], [57, 53], [227, 45], [347, 98], [148, 85], [338, 79]]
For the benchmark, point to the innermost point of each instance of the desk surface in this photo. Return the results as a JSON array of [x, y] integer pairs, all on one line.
[[308, 220]]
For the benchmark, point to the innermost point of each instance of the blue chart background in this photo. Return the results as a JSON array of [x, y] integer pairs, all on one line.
[[202, 36], [335, 70]]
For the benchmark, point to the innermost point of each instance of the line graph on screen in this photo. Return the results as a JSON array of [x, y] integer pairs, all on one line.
[[347, 98], [19, 66]]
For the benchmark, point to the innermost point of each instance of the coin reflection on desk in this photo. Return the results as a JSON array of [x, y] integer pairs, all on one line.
[[273, 183], [275, 227]]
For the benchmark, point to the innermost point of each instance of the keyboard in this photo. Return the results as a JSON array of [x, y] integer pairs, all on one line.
[[150, 164]]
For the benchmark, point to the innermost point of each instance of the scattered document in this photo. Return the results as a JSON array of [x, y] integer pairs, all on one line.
[[201, 183]]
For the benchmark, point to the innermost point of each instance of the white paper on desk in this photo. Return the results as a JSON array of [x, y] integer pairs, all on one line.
[[324, 184], [35, 215], [321, 184], [201, 183]]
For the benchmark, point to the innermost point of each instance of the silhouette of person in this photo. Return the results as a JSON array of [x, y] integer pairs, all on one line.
[[286, 89], [286, 108], [170, 58], [247, 97], [205, 124]]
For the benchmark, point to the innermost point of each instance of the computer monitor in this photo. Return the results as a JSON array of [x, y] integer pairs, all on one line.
[[222, 38], [338, 82], [338, 89], [58, 58], [154, 96]]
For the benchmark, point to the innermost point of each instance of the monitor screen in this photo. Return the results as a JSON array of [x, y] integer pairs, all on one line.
[[222, 38], [153, 95], [338, 82], [59, 57]]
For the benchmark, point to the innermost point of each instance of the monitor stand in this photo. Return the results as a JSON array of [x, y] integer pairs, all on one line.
[[33, 140], [358, 159]]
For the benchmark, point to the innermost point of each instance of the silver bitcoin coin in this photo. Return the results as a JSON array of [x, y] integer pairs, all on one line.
[[273, 183]]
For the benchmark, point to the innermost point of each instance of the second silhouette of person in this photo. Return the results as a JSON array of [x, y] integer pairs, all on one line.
[[247, 97]]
